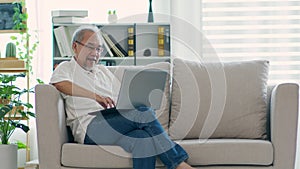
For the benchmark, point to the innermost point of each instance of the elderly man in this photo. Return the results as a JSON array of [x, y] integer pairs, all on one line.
[[89, 91]]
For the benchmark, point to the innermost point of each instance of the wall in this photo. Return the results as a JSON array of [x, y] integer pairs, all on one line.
[[186, 29]]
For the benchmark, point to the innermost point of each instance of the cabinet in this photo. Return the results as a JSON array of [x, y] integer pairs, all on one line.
[[143, 43]]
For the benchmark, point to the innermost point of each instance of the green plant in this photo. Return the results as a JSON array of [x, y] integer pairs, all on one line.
[[25, 45], [10, 50], [12, 108]]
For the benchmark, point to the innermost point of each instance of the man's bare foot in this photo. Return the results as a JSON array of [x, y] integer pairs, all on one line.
[[184, 165]]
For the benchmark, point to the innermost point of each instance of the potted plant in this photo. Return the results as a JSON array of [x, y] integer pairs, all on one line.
[[12, 111]]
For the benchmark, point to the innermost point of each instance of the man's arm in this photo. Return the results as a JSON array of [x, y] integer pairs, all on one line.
[[72, 89]]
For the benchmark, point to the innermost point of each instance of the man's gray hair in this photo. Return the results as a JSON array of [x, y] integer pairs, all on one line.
[[79, 32]]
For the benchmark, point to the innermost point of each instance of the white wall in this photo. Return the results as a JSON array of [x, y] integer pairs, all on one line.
[[186, 29]]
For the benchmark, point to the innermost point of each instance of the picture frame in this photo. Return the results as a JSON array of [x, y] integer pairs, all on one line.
[[7, 10]]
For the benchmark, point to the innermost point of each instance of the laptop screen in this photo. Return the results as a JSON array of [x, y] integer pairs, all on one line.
[[142, 87]]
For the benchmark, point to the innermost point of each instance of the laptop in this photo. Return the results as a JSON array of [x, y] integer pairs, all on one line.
[[141, 87]]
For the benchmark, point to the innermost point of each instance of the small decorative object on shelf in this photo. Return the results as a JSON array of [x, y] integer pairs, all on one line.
[[112, 16], [147, 52], [10, 50], [11, 61], [150, 14]]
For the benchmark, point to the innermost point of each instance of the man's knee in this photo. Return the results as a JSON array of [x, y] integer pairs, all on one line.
[[147, 115]]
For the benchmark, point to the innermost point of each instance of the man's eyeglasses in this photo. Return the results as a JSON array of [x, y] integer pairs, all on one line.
[[98, 49]]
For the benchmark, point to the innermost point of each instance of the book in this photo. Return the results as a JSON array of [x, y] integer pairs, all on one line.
[[130, 41], [107, 51], [112, 44], [117, 45], [167, 43], [77, 13], [63, 41], [160, 41], [69, 19]]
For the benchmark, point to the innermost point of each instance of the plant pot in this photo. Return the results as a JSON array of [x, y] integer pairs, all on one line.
[[4, 101], [11, 62], [112, 18], [9, 156]]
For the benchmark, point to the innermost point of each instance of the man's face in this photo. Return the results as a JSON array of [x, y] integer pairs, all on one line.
[[88, 50]]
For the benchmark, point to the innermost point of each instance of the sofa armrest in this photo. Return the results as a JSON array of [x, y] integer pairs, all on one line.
[[284, 123], [51, 126]]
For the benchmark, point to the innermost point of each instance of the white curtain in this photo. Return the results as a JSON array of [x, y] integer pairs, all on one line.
[[257, 29]]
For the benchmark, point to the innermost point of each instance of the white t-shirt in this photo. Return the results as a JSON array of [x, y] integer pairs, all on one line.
[[100, 81]]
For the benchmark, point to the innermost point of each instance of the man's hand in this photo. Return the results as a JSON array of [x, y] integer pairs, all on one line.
[[69, 88], [105, 102]]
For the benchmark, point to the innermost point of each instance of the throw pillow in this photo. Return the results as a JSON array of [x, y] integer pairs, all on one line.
[[219, 100]]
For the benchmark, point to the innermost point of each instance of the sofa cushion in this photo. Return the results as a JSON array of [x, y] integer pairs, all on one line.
[[94, 156], [219, 100], [201, 152], [163, 112], [228, 152]]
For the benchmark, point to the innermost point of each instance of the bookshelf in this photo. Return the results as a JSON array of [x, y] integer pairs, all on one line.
[[8, 30], [139, 41]]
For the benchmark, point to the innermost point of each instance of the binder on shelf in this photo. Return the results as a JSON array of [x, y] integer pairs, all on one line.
[[160, 41], [167, 41], [130, 41], [77, 13], [163, 44], [63, 41]]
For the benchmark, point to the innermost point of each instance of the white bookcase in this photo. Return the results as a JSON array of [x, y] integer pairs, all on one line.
[[146, 38]]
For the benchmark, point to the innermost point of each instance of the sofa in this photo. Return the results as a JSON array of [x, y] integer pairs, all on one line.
[[224, 114]]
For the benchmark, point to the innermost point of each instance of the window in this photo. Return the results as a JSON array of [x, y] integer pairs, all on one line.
[[257, 29]]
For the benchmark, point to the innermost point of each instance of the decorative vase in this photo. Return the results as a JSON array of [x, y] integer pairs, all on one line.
[[150, 14], [112, 17], [9, 156]]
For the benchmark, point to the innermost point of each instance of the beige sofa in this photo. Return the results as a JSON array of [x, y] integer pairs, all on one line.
[[223, 114]]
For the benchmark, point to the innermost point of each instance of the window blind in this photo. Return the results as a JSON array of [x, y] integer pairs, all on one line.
[[257, 29]]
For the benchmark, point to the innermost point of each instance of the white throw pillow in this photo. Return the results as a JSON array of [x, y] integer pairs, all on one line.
[[219, 100]]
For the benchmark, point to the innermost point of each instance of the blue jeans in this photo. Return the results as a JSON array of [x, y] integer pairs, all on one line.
[[137, 132]]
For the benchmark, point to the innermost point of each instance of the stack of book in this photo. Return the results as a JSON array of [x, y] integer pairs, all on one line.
[[69, 16]]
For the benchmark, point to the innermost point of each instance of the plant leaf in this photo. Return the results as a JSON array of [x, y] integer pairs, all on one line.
[[4, 110], [19, 125], [21, 145]]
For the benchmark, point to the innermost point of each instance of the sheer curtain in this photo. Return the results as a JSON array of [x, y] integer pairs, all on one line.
[[257, 29]]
